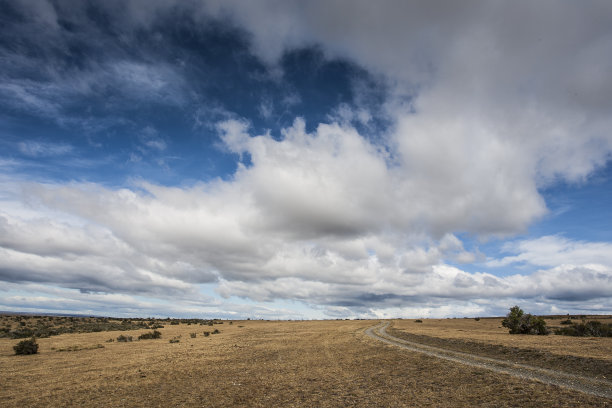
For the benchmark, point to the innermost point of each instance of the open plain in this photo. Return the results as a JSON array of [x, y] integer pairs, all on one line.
[[298, 363]]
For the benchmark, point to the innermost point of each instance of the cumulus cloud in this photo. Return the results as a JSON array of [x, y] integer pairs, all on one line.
[[324, 218]]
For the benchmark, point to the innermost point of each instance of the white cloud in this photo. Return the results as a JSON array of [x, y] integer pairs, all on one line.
[[43, 149], [550, 251], [322, 218]]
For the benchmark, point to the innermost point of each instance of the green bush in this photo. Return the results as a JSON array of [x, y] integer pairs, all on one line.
[[216, 331], [193, 335], [593, 328], [520, 323], [150, 335], [28, 346], [418, 321], [206, 333]]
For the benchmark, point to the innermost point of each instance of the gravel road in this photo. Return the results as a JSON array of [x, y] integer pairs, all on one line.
[[592, 386]]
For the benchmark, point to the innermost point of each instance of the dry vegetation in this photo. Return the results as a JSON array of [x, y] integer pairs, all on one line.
[[589, 356], [259, 363]]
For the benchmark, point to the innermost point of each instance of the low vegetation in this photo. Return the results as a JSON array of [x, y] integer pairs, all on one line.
[[27, 326], [124, 339], [79, 348], [518, 322], [593, 328], [26, 347], [150, 335]]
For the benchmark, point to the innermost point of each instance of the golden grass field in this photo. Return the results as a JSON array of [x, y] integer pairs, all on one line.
[[289, 364]]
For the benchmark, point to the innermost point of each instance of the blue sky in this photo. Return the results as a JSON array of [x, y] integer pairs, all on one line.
[[294, 160]]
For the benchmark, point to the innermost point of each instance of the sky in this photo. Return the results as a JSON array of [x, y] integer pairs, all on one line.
[[305, 160]]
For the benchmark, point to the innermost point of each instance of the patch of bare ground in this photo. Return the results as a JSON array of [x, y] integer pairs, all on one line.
[[258, 364]]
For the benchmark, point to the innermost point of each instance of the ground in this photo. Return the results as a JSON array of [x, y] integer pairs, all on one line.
[[293, 364]]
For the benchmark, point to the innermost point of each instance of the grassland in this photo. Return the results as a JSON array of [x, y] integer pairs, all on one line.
[[265, 364]]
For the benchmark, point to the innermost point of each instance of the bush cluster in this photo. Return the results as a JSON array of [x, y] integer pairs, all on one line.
[[28, 346], [150, 335], [593, 328], [520, 323], [124, 338]]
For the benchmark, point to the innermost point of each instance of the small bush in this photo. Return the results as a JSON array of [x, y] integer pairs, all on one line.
[[174, 322], [28, 346], [110, 340], [193, 335], [123, 338], [418, 321], [174, 340], [477, 319], [520, 323], [206, 333], [150, 335], [216, 331], [568, 321]]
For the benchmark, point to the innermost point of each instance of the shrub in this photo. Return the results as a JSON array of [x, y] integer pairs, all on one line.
[[206, 333], [124, 338], [216, 331], [193, 335], [28, 346], [593, 328], [174, 340], [477, 319], [418, 321], [568, 321], [520, 323], [150, 335]]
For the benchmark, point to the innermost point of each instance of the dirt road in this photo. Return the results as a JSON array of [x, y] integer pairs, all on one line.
[[592, 386]]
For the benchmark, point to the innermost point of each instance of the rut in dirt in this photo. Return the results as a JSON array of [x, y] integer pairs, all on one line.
[[592, 386]]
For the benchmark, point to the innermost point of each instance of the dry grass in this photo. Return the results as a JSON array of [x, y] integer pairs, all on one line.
[[261, 364]]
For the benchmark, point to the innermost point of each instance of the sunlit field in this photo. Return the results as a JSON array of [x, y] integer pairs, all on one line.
[[289, 363]]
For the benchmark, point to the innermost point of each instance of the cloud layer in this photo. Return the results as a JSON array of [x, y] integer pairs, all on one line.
[[486, 104]]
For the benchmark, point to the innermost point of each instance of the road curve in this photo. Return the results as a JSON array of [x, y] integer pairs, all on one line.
[[592, 386]]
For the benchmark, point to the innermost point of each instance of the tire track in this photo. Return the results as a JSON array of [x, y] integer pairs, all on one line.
[[592, 386]]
